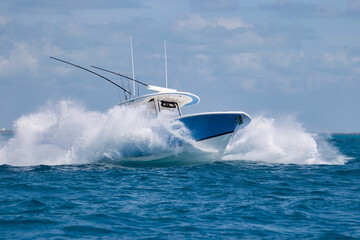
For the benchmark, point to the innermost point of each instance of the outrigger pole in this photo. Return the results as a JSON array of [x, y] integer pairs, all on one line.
[[126, 91], [121, 75]]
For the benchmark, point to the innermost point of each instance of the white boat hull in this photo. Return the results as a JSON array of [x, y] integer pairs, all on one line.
[[216, 145]]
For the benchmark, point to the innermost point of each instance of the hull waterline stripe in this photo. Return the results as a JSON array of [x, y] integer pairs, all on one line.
[[218, 135]]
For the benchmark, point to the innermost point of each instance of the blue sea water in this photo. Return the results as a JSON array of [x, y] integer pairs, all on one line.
[[273, 190]]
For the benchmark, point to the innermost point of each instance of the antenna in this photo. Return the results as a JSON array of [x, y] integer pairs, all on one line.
[[132, 64], [166, 82]]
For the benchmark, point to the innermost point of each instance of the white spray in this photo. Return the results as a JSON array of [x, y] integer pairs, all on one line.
[[285, 141], [66, 133]]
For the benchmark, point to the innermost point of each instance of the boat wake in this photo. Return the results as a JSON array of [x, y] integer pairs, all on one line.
[[286, 141], [66, 133]]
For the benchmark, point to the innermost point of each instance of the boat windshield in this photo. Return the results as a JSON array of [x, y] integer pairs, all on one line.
[[169, 106], [153, 107]]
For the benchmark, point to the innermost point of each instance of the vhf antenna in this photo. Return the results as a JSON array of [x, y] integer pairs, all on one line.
[[166, 80], [132, 64]]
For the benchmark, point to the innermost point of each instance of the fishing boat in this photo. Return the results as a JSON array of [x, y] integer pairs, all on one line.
[[210, 130]]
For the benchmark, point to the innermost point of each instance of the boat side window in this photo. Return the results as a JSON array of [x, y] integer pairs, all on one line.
[[151, 108], [169, 106]]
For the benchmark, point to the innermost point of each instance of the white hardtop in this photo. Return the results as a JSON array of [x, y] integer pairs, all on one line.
[[183, 99]]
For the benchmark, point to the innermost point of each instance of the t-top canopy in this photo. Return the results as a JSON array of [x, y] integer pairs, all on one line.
[[183, 99]]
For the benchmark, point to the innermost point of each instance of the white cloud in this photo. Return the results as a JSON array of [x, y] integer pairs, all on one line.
[[301, 9], [19, 60], [249, 38], [202, 57], [353, 9], [192, 22], [52, 50], [3, 20], [284, 60], [355, 5], [214, 5], [248, 61], [336, 58], [355, 59], [196, 22], [231, 23], [249, 84]]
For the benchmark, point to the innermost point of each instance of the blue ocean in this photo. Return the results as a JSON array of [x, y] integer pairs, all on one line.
[[71, 173]]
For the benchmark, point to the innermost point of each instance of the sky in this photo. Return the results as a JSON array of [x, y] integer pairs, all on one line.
[[273, 58]]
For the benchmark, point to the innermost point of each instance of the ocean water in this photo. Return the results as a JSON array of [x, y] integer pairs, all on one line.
[[68, 172]]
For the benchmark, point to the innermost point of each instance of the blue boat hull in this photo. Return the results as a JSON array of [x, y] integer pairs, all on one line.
[[215, 128]]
